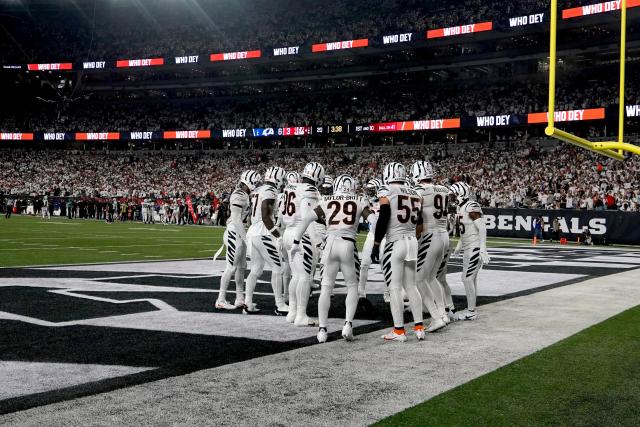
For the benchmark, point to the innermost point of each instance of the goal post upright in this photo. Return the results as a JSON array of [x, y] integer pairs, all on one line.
[[613, 150]]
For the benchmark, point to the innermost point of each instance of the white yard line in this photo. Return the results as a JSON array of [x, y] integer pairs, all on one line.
[[357, 383]]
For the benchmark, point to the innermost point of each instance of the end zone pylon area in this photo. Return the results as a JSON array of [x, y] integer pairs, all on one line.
[[613, 149]]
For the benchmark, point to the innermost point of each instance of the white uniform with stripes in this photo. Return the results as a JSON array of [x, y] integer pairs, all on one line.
[[263, 248], [301, 200], [234, 240], [342, 216], [470, 239], [372, 219], [432, 246], [400, 252]]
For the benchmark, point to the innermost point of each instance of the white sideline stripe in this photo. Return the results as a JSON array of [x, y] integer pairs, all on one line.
[[355, 384], [24, 378]]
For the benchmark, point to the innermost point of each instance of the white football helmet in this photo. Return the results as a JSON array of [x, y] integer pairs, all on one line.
[[344, 184], [421, 170], [394, 172], [250, 178], [275, 175], [292, 177], [315, 172], [372, 186], [326, 188], [461, 190]]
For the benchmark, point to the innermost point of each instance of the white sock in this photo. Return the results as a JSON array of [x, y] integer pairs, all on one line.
[[240, 283], [302, 296], [224, 284], [351, 302], [276, 287], [251, 286], [324, 304]]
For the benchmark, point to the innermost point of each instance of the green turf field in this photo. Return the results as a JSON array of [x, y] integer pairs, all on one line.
[[34, 241], [591, 378]]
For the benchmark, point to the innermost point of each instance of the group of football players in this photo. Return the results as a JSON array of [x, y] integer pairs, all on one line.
[[305, 222]]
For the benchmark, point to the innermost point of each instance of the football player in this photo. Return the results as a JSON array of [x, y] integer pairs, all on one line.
[[374, 208], [341, 213], [283, 222], [264, 240], [473, 243], [433, 243], [234, 239], [301, 199], [399, 212]]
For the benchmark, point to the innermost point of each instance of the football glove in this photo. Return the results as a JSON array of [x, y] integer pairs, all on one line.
[[295, 248], [484, 256], [375, 254]]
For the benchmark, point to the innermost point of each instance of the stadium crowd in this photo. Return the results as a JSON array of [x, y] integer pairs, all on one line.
[[358, 101], [114, 30], [521, 175]]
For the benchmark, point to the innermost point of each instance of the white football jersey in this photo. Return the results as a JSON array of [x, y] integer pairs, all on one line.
[[435, 201], [469, 235], [299, 198], [240, 204], [262, 193], [405, 208], [342, 213], [374, 211]]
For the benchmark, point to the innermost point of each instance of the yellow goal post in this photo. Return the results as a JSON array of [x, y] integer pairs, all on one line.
[[613, 149]]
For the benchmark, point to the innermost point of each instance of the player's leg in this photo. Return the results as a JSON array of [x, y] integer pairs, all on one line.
[[422, 280], [331, 267], [257, 266], [307, 260], [350, 267], [393, 269], [271, 254], [415, 301], [442, 279], [364, 266], [241, 268], [470, 268], [432, 263], [230, 241]]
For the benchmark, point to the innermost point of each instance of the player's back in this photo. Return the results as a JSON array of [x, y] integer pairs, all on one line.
[[260, 194], [469, 235], [239, 204], [405, 204], [435, 201], [342, 212], [298, 197]]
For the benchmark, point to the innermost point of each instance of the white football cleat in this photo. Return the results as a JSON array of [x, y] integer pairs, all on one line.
[[386, 297], [394, 336], [282, 309], [322, 335], [347, 331], [436, 324], [305, 321], [251, 310], [239, 302], [468, 315], [445, 319], [419, 331], [224, 305], [452, 315], [291, 316]]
